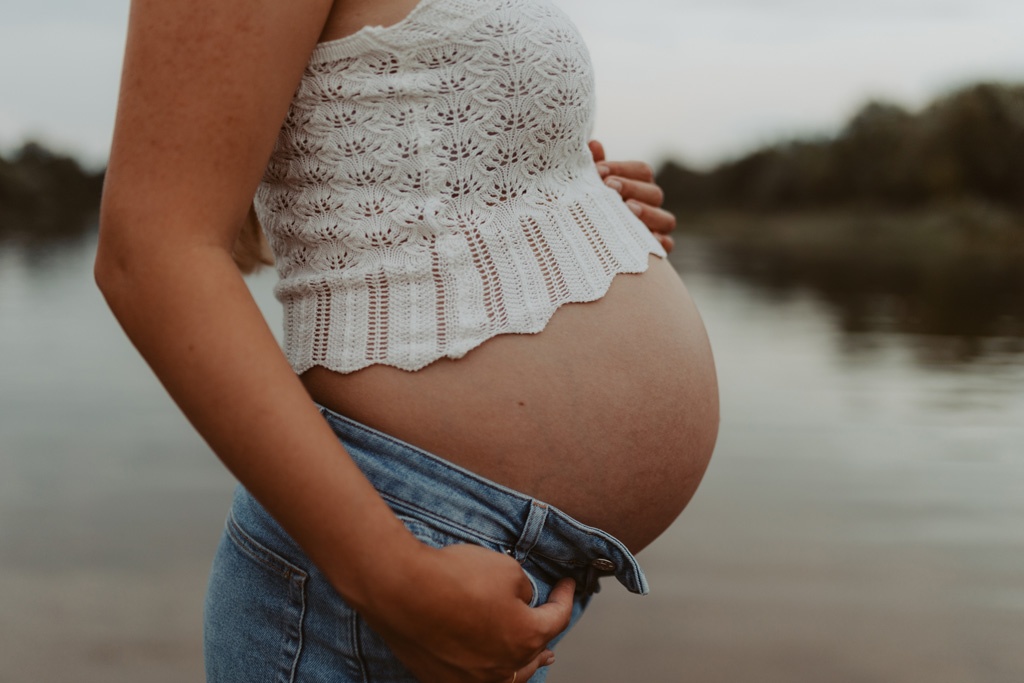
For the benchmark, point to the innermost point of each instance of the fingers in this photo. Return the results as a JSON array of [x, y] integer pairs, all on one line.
[[555, 614], [545, 658], [524, 589], [634, 170], [553, 617], [657, 220], [644, 192]]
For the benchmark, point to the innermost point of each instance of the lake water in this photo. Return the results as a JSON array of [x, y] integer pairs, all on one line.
[[862, 519]]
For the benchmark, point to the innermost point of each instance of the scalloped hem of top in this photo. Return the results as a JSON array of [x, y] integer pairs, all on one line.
[[656, 249]]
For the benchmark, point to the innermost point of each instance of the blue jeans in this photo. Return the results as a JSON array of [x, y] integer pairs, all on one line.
[[270, 614]]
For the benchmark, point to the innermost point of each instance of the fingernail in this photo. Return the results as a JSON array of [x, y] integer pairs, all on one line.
[[635, 207], [603, 169], [550, 660], [614, 184]]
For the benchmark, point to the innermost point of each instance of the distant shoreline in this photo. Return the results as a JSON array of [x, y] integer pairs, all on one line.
[[948, 179], [955, 229], [46, 196], [955, 272]]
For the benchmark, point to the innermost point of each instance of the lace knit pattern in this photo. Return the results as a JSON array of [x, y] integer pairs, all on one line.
[[431, 188]]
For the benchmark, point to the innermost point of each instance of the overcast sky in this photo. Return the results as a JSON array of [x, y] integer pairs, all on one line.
[[696, 79]]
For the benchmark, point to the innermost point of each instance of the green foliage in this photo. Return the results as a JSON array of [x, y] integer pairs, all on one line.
[[45, 195], [968, 145]]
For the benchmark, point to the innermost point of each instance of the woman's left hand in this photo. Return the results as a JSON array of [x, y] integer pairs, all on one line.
[[634, 180]]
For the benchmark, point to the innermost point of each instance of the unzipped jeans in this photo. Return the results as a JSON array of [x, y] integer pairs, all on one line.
[[271, 615]]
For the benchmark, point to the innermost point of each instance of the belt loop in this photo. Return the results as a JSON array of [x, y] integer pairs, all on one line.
[[531, 530]]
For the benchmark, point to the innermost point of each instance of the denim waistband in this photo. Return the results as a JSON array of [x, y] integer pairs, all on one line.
[[408, 477]]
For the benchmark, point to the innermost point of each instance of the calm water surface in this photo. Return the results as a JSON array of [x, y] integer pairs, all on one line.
[[862, 520]]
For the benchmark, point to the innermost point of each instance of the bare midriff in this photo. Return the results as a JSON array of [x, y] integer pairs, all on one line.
[[610, 413]]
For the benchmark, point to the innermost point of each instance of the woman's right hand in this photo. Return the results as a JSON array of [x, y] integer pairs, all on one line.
[[461, 614], [205, 89]]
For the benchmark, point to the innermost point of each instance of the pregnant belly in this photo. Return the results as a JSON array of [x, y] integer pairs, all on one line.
[[610, 413]]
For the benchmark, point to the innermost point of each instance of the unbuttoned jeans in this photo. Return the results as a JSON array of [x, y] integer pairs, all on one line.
[[271, 615]]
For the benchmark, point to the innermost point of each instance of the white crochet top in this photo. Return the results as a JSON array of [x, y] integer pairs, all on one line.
[[432, 188]]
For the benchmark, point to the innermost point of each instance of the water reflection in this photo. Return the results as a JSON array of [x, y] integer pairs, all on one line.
[[953, 308], [950, 308], [40, 256], [856, 502]]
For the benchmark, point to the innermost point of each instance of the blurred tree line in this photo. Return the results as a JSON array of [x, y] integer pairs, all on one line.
[[965, 147], [902, 222], [968, 145], [45, 195]]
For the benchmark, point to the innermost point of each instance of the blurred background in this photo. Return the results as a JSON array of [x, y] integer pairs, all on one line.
[[849, 179]]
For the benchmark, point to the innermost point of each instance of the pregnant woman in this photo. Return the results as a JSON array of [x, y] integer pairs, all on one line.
[[494, 390]]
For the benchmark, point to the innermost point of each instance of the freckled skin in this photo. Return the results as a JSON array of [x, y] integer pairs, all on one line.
[[204, 90], [610, 413]]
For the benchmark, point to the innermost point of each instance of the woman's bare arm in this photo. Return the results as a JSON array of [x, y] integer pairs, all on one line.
[[204, 90]]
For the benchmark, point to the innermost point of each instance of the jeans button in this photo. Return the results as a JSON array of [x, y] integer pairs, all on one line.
[[603, 565]]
